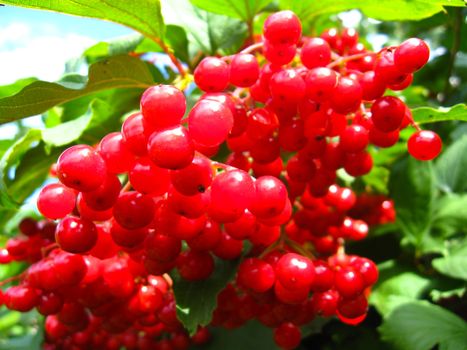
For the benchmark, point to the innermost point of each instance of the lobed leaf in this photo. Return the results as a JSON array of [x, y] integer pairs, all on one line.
[[422, 326], [38, 97], [386, 10], [244, 10], [142, 15], [196, 301]]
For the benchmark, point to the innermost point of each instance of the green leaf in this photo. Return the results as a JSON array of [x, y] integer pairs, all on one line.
[[398, 284], [454, 263], [377, 179], [424, 115], [10, 89], [451, 167], [411, 186], [386, 10], [206, 32], [449, 215], [113, 47], [142, 15], [252, 335], [422, 326], [36, 98], [11, 158], [244, 10], [196, 300]]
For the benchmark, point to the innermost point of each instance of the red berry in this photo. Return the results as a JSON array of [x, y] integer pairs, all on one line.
[[287, 86], [349, 282], [21, 298], [145, 177], [316, 52], [287, 336], [117, 156], [210, 122], [76, 235], [163, 106], [387, 113], [193, 179], [256, 274], [411, 55], [105, 196], [244, 70], [55, 201], [171, 148], [134, 210], [81, 168], [134, 136], [270, 197], [355, 138], [424, 145], [212, 74], [282, 27], [295, 271], [194, 266]]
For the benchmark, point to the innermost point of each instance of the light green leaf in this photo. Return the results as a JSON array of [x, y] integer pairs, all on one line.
[[115, 72], [206, 32], [244, 10], [398, 284], [11, 158], [454, 263], [411, 186], [10, 89], [424, 115], [451, 167], [196, 300], [422, 326], [450, 214], [141, 15], [386, 10]]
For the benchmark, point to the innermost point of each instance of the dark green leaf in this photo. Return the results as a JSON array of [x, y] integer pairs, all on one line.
[[397, 285], [422, 326], [451, 167], [196, 300], [36, 98], [141, 15], [424, 115], [113, 47], [253, 335], [388, 10], [244, 10], [411, 185]]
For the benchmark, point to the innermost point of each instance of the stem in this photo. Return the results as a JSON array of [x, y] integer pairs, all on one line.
[[126, 188], [172, 57], [46, 250], [252, 48], [13, 279], [344, 59], [457, 25], [299, 249]]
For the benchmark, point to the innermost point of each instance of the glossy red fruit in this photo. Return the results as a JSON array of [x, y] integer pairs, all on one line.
[[352, 308], [76, 235], [244, 70], [349, 282], [105, 196], [387, 113], [282, 27], [212, 74], [316, 52], [295, 271], [146, 177], [80, 167], [134, 210], [55, 201], [287, 336], [195, 266], [171, 148], [163, 106], [269, 198], [256, 275], [411, 55], [21, 298], [424, 145], [117, 156]]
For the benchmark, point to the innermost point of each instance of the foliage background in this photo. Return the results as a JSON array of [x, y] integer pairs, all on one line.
[[420, 300]]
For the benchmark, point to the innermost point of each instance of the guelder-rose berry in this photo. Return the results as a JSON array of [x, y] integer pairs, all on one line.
[[80, 167], [270, 197], [282, 27], [76, 235], [116, 154], [56, 201], [171, 148], [256, 275], [387, 113], [210, 122], [424, 145], [295, 271], [315, 52], [163, 106], [212, 74], [244, 70], [195, 266], [411, 55], [134, 210], [287, 336]]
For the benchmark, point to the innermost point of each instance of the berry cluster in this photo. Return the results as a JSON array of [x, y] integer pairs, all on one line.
[[312, 107]]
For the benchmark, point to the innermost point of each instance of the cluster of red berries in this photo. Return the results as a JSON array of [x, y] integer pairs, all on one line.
[[316, 103]]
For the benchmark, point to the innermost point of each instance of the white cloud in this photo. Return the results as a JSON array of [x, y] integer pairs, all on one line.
[[37, 52]]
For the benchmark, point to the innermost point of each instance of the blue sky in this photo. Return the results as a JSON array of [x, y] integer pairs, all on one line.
[[38, 43]]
